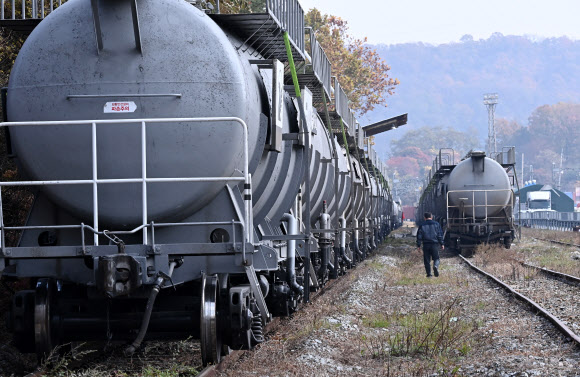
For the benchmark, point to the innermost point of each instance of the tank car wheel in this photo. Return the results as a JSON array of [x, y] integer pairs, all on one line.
[[211, 337], [507, 242], [467, 252], [43, 307]]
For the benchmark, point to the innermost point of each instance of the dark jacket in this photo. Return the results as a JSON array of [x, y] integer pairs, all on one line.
[[429, 232]]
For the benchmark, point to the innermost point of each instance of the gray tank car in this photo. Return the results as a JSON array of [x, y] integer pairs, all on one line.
[[182, 190], [472, 200]]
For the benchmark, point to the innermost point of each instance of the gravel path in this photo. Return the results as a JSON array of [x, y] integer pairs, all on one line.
[[373, 322]]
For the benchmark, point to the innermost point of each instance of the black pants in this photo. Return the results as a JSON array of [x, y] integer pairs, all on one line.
[[430, 251]]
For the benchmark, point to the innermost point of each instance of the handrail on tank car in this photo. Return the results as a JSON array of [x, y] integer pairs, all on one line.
[[447, 154], [33, 7], [320, 63], [473, 206], [290, 15], [246, 224]]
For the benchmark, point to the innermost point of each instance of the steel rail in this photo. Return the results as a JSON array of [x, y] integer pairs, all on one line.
[[558, 242], [555, 321], [561, 275]]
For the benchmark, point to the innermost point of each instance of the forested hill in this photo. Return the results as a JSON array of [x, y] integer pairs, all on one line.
[[444, 85]]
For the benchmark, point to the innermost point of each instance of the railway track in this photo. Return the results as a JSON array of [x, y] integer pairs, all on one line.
[[560, 324], [558, 242], [555, 274]]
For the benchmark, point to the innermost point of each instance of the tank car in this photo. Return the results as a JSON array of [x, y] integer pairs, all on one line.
[[472, 200], [181, 190]]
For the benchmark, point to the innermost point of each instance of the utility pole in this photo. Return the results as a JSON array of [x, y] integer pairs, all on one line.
[[560, 171], [523, 169], [490, 100]]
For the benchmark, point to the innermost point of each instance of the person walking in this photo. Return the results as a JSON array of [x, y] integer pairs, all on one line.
[[431, 235]]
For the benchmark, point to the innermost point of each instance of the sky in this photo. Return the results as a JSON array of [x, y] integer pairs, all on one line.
[[443, 21]]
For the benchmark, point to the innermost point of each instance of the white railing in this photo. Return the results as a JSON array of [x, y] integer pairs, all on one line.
[[246, 222], [31, 9], [474, 206], [290, 16]]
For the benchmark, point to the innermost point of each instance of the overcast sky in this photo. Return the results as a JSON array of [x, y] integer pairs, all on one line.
[[442, 21]]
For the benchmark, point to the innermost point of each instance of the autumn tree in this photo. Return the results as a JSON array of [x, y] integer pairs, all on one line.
[[508, 131], [553, 133], [242, 6], [430, 139], [557, 127], [362, 73], [412, 155]]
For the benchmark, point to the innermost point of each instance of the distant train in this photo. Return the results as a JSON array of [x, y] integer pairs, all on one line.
[[472, 200], [182, 188]]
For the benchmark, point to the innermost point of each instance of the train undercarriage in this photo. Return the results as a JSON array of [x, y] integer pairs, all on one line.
[[221, 310]]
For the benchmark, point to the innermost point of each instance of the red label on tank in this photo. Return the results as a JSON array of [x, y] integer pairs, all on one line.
[[120, 107]]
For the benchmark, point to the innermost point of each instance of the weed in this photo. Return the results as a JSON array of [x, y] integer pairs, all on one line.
[[378, 321], [314, 325], [60, 362], [376, 265], [173, 371], [434, 334]]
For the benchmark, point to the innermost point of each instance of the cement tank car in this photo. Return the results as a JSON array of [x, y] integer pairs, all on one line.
[[181, 188], [472, 200]]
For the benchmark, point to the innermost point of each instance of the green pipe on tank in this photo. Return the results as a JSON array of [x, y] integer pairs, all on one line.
[[291, 63]]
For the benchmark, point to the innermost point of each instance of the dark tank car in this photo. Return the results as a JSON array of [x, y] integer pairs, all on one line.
[[473, 200]]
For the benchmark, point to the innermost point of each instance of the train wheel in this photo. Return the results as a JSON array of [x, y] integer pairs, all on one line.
[[467, 252], [507, 242], [210, 334], [43, 307]]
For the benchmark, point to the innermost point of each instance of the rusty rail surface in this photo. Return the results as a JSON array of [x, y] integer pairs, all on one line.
[[555, 321], [560, 275]]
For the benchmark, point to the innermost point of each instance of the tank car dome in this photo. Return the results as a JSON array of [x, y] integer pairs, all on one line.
[[478, 177], [183, 52]]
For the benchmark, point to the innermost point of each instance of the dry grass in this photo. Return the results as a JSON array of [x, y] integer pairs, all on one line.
[[155, 359], [568, 237], [434, 334], [383, 319], [366, 334], [549, 255]]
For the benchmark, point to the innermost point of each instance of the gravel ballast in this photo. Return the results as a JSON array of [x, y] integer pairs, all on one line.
[[353, 328]]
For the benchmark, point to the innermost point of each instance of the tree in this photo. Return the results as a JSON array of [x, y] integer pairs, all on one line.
[[242, 6], [413, 154], [558, 127], [554, 132], [362, 73], [507, 131], [430, 139], [10, 44]]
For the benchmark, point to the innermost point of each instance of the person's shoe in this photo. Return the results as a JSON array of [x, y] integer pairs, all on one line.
[[429, 276], [435, 271]]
